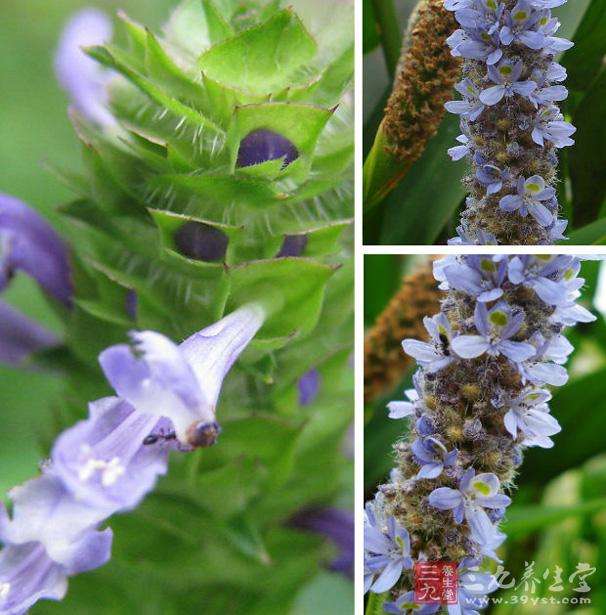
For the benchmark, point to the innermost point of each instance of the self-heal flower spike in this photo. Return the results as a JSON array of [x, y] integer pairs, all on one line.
[[511, 125], [479, 400], [84, 80], [29, 244], [182, 382]]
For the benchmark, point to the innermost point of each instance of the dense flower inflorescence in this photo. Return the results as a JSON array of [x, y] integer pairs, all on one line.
[[512, 126], [107, 463], [479, 400]]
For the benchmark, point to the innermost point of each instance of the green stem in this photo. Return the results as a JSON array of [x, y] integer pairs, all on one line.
[[389, 32], [375, 603]]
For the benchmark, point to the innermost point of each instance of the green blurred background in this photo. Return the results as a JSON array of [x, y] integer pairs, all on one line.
[[558, 515]]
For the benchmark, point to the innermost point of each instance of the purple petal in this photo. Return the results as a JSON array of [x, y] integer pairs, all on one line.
[[516, 351], [264, 145], [492, 95], [84, 79], [445, 498], [400, 409], [293, 245], [470, 346], [202, 242], [21, 337], [308, 386], [28, 243], [388, 578]]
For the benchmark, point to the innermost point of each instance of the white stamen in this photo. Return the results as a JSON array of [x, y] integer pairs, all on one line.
[[110, 470], [5, 589]]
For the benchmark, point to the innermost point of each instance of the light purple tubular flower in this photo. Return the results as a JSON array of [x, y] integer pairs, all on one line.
[[21, 337], [540, 370], [104, 460], [529, 414], [471, 106], [481, 276], [28, 243], [475, 493], [434, 355], [44, 511], [388, 552], [550, 126], [473, 587], [432, 456], [85, 80], [338, 525], [531, 193], [182, 382], [263, 145], [27, 575], [308, 387], [406, 604], [495, 328], [507, 77]]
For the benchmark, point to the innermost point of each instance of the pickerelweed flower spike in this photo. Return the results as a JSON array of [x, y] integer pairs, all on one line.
[[28, 243], [156, 374], [107, 463], [20, 337], [479, 400], [511, 124], [82, 78]]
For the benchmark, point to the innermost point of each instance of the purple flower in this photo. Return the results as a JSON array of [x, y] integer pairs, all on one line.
[[83, 79], [540, 370], [492, 177], [388, 551], [495, 328], [45, 513], [308, 387], [434, 355], [182, 382], [460, 151], [478, 44], [529, 199], [432, 456], [550, 126], [29, 244], [529, 413], [538, 273], [404, 409], [336, 524], [21, 337], [293, 245], [475, 493], [264, 145], [507, 77], [103, 460], [201, 242], [472, 588], [520, 23], [471, 106], [481, 276], [27, 575], [406, 603]]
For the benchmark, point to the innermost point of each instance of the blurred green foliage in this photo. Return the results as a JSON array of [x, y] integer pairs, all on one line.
[[558, 515]]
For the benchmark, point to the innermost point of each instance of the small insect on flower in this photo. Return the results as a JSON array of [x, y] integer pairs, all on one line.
[[202, 434]]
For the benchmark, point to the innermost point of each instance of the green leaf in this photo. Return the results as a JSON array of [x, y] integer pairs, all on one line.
[[524, 520], [263, 58], [292, 288], [218, 26], [592, 233], [429, 195], [584, 61], [570, 16], [370, 33], [588, 157]]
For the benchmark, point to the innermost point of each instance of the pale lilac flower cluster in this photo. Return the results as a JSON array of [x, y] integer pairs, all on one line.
[[479, 400], [512, 127], [107, 463]]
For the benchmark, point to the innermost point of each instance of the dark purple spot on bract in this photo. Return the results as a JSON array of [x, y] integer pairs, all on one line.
[[131, 304], [308, 385], [293, 245], [263, 145], [201, 242]]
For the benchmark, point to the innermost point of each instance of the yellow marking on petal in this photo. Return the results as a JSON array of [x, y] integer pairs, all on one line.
[[533, 187], [520, 15], [488, 265], [481, 487], [499, 319], [505, 69]]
